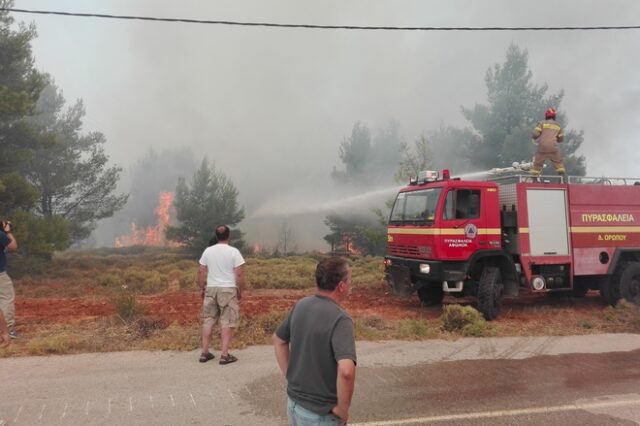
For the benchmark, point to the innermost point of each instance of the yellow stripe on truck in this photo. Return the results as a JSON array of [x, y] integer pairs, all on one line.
[[590, 229], [440, 231]]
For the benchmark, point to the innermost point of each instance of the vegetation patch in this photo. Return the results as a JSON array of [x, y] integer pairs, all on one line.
[[174, 338], [371, 327], [293, 272], [58, 344], [126, 303], [415, 329], [625, 314], [465, 320]]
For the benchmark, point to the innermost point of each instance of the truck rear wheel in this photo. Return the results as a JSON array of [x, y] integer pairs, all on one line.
[[430, 295], [610, 290], [489, 290], [630, 283]]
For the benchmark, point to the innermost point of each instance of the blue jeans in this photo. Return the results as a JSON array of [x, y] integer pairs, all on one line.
[[300, 416]]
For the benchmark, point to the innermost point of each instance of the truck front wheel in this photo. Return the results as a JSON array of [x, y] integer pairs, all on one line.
[[630, 283], [430, 295], [489, 290]]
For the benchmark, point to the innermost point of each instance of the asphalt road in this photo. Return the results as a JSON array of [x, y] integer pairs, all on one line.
[[575, 380]]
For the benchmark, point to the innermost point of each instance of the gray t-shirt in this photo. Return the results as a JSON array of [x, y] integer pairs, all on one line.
[[320, 333]]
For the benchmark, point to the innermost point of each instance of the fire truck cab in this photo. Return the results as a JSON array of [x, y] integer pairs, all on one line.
[[495, 237]]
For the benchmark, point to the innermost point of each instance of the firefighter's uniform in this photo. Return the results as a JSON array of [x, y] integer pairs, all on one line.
[[548, 133]]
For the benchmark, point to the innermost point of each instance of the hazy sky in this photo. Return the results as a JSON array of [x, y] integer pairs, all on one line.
[[271, 106]]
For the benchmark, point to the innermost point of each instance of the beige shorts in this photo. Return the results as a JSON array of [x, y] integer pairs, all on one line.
[[221, 303]]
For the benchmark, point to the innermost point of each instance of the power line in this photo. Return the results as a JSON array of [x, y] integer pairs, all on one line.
[[320, 27]]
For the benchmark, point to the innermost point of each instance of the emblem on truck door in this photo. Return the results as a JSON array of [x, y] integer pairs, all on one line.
[[470, 230]]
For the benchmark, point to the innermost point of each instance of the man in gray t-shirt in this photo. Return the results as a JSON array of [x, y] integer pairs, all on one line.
[[315, 349]]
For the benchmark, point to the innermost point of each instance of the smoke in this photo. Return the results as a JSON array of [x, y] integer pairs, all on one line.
[[291, 204], [271, 106]]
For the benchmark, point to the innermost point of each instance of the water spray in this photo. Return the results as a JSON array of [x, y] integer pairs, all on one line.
[[282, 207]]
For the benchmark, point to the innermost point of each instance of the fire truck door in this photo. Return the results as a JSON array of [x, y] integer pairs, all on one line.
[[548, 224]]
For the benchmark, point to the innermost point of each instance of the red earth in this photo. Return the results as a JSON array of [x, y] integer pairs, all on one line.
[[184, 307]]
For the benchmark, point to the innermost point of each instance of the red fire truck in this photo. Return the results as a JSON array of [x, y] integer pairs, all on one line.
[[495, 237]]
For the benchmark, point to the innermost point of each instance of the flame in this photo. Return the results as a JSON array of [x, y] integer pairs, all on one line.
[[347, 245], [153, 235]]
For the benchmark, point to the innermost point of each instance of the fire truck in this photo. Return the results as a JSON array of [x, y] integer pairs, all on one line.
[[511, 233]]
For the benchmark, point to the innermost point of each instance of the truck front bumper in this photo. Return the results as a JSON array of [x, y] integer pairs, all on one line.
[[404, 276]]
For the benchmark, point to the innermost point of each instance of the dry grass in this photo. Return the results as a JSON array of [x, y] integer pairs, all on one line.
[[152, 271], [101, 275]]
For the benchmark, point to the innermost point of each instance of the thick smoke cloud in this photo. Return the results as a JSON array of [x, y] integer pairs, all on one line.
[[271, 106]]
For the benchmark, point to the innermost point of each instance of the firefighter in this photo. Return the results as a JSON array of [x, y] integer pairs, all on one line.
[[547, 134]]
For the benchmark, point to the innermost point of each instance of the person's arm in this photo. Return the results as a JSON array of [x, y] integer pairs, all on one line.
[[345, 383], [239, 272], [13, 244], [202, 279], [282, 353], [4, 331], [537, 131]]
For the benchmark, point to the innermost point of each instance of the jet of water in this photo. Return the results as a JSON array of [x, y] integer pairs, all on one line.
[[291, 205]]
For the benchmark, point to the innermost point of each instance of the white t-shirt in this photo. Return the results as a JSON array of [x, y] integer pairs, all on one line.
[[220, 260]]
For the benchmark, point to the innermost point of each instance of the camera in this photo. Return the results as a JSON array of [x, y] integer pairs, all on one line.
[[6, 226]]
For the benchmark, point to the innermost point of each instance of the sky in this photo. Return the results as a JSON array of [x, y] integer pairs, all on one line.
[[271, 106]]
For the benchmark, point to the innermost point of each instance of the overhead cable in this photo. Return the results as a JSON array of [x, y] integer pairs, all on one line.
[[320, 27]]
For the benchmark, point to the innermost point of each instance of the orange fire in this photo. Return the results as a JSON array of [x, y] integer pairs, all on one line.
[[153, 235], [347, 244]]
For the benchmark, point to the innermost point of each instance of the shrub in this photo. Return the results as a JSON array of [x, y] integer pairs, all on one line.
[[456, 317], [153, 283], [293, 272], [479, 329], [126, 304], [109, 280], [369, 327], [270, 321], [145, 326], [585, 323], [367, 271], [412, 328], [134, 277], [59, 344]]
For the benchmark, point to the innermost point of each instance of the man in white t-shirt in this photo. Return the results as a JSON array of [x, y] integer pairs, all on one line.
[[223, 267]]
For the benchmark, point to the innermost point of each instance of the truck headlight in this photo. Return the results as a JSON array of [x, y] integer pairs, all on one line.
[[425, 268], [538, 283]]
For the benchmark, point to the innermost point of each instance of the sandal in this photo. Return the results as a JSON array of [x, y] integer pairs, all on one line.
[[206, 357], [227, 359]]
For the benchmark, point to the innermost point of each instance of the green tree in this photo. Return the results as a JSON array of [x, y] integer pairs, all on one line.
[[357, 233], [369, 160], [414, 159], [69, 168], [503, 127], [210, 200], [355, 153], [20, 87]]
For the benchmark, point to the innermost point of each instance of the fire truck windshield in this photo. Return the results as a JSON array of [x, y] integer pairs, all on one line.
[[415, 206]]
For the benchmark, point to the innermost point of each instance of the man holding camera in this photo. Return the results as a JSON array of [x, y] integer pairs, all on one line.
[[7, 294]]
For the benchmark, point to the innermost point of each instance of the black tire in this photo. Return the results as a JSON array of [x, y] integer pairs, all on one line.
[[489, 291], [630, 283], [430, 294], [610, 290]]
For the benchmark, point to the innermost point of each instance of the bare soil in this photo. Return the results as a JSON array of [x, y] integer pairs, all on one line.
[[530, 312]]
